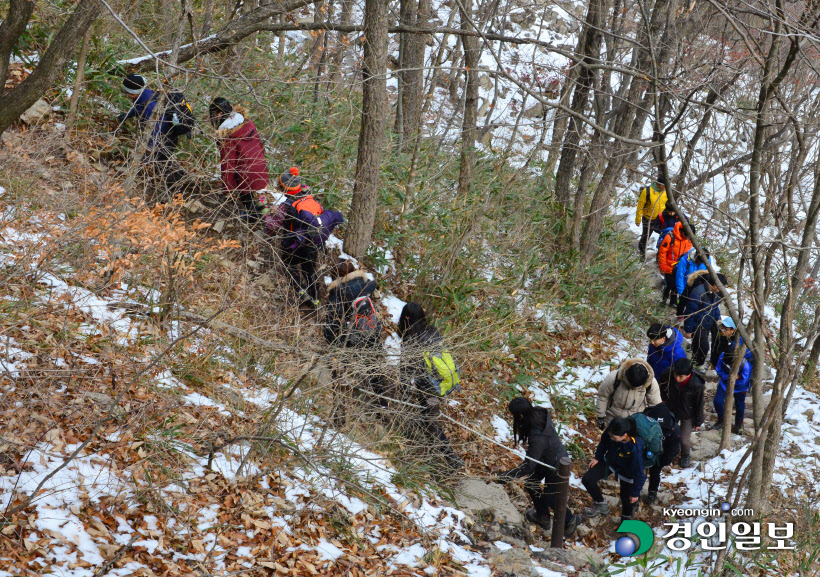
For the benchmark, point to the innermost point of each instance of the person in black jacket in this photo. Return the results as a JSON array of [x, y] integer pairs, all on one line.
[[349, 285], [671, 446], [534, 426], [683, 390], [419, 387], [620, 451]]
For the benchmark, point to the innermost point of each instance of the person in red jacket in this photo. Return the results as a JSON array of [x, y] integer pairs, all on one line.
[[243, 167], [674, 245]]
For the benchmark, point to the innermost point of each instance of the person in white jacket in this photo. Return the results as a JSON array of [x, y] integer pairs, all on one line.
[[628, 390]]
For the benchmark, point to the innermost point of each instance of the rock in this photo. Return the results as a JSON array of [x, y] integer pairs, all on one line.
[[703, 448], [253, 265], [195, 206], [583, 530], [485, 82], [536, 111], [486, 501], [218, 226], [809, 414], [100, 398], [578, 558], [513, 562], [38, 112]]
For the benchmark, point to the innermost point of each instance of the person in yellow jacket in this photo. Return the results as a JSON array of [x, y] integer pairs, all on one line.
[[651, 202]]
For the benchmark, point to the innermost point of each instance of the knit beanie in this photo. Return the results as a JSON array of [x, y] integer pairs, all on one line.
[[682, 367], [619, 426], [657, 331], [636, 375], [290, 181], [133, 84], [219, 107]]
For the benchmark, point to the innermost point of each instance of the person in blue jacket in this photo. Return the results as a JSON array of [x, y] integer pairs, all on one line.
[[742, 383], [164, 136], [620, 452], [728, 338], [665, 347], [688, 263], [702, 313]]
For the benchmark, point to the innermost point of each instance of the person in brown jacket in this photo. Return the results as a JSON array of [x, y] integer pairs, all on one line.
[[628, 390]]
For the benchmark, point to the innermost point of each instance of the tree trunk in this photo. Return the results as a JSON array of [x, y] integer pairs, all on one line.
[[472, 53], [11, 28], [590, 47], [16, 102], [79, 78], [411, 73], [372, 135]]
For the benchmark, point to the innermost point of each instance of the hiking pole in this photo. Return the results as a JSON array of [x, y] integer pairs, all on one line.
[[557, 540]]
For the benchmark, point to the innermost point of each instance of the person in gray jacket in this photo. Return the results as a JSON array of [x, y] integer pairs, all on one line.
[[628, 390]]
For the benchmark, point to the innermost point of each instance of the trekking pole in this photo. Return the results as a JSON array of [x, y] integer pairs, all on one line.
[[557, 540]]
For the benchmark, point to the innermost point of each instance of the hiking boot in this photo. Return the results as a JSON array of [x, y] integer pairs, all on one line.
[[572, 525], [685, 463], [626, 518], [544, 522], [651, 498], [601, 508], [716, 426], [737, 429]]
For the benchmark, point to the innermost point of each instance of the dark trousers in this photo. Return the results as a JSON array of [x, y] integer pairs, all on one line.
[[545, 495], [594, 476], [162, 166], [669, 289], [740, 405], [648, 226], [670, 451], [686, 427], [301, 265], [682, 299], [700, 342]]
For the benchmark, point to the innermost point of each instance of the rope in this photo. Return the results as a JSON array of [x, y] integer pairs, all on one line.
[[463, 426]]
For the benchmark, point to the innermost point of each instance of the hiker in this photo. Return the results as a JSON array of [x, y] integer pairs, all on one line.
[[683, 391], [305, 226], [742, 383], [702, 314], [651, 201], [690, 263], [627, 390], [673, 243], [621, 452], [534, 426], [670, 448], [727, 339], [669, 218], [243, 167], [177, 121], [349, 285], [665, 347], [421, 341]]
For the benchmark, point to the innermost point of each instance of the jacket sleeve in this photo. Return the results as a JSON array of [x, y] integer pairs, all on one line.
[[653, 394], [641, 203], [664, 382], [638, 474], [745, 373], [698, 400], [722, 370], [680, 273], [535, 450], [605, 392], [600, 450], [228, 166]]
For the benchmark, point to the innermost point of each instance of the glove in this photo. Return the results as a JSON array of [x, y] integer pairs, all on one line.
[[601, 423], [121, 118]]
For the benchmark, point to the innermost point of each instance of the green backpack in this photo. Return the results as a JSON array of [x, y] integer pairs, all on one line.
[[649, 430], [443, 371]]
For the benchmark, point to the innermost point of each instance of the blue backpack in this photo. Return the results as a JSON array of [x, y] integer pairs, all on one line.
[[662, 236]]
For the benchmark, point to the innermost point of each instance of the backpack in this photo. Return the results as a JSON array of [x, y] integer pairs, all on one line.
[[180, 114], [664, 232], [442, 371], [649, 430], [365, 327]]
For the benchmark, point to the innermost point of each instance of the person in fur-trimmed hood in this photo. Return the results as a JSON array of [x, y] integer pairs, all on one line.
[[702, 313], [350, 284], [628, 390], [243, 167]]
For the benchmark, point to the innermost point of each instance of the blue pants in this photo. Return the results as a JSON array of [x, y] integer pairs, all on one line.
[[740, 404]]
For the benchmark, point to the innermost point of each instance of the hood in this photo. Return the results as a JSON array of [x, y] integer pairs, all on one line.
[[347, 278], [234, 124], [696, 276], [628, 363], [677, 231]]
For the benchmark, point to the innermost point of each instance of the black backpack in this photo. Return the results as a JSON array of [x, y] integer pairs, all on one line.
[[365, 327], [666, 419], [180, 114]]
